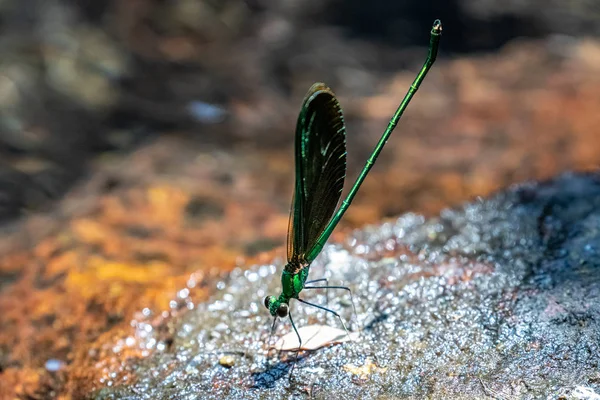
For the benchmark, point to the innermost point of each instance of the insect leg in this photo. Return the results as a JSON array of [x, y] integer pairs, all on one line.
[[271, 335], [338, 287], [299, 344], [328, 310], [317, 280], [326, 288]]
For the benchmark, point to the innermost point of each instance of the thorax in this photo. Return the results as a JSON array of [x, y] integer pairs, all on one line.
[[292, 283]]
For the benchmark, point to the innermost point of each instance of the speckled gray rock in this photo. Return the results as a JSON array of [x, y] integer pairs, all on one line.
[[497, 299]]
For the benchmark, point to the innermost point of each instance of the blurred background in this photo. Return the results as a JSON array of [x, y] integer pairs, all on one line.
[[141, 140], [513, 96]]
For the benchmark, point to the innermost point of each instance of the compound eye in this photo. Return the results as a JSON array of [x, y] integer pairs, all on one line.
[[268, 301], [282, 310]]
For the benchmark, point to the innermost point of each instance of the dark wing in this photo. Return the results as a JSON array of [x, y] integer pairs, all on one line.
[[320, 170]]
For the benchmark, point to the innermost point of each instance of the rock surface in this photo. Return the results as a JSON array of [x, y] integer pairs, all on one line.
[[498, 298]]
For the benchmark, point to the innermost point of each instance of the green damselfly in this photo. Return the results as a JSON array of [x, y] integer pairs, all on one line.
[[320, 172]]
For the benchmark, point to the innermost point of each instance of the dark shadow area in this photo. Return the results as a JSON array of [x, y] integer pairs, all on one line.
[[401, 24], [267, 378]]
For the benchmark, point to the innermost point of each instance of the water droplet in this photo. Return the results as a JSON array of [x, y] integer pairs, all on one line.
[[361, 249], [54, 365], [264, 271], [150, 343], [251, 276], [221, 326], [191, 370]]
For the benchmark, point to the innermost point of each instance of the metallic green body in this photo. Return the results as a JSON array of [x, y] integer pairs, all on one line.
[[291, 286], [320, 173]]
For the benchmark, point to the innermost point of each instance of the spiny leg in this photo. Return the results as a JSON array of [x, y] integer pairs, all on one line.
[[338, 287], [328, 310], [326, 287], [299, 343]]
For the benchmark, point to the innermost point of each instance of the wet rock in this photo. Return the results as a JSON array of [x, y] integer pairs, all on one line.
[[497, 298]]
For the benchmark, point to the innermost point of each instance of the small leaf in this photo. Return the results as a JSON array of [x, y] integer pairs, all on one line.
[[365, 370], [314, 337]]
